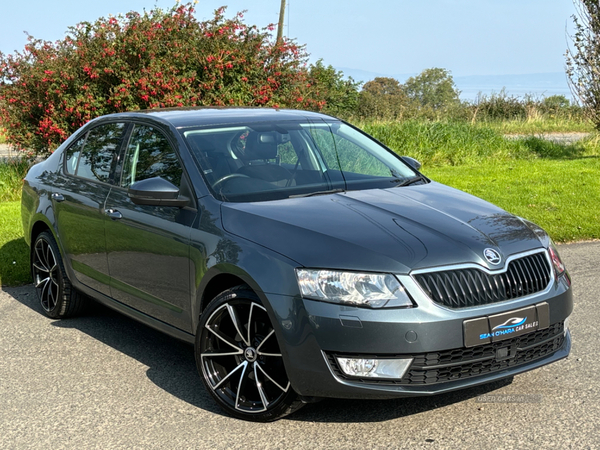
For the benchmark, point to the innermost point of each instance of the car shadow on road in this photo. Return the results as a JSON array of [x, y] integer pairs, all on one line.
[[171, 367], [360, 411], [170, 362]]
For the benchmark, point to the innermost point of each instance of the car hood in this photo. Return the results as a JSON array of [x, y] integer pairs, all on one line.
[[391, 230]]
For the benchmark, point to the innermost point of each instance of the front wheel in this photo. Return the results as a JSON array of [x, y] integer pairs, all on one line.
[[240, 360], [55, 293]]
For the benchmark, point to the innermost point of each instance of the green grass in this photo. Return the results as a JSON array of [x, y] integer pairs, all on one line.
[[443, 143], [14, 253], [11, 179], [458, 143], [538, 126]]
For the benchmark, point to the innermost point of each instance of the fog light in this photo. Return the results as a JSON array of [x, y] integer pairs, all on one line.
[[374, 368], [566, 326]]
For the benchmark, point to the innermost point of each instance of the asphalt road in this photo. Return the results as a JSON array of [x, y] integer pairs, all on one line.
[[104, 381]]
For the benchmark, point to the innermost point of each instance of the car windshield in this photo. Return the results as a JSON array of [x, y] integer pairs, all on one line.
[[275, 160]]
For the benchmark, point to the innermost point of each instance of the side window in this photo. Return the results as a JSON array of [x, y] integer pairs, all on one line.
[[149, 155], [99, 152], [73, 153]]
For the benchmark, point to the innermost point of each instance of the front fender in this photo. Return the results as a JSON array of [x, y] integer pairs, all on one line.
[[266, 272]]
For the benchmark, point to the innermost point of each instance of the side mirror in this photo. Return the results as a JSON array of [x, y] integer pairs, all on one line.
[[156, 192], [411, 162]]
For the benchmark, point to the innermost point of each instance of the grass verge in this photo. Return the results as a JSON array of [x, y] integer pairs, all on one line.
[[14, 253], [11, 179], [539, 126], [459, 143]]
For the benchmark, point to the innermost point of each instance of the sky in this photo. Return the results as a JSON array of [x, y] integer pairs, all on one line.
[[390, 37]]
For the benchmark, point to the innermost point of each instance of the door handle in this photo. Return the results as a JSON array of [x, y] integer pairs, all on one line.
[[113, 214], [57, 197]]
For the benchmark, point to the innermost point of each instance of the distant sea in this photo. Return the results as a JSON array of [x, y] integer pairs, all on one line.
[[537, 85]]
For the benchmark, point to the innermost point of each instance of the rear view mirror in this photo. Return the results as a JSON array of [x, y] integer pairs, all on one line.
[[156, 192]]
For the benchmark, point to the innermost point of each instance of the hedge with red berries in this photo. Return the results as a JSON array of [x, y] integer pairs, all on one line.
[[154, 60]]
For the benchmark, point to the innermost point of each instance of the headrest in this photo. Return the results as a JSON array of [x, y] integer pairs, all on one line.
[[261, 145]]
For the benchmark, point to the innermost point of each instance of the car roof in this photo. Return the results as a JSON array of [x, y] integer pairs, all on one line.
[[193, 117]]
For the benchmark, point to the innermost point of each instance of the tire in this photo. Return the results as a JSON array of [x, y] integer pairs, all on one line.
[[57, 296], [239, 359]]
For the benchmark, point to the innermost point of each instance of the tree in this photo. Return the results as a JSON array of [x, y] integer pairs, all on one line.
[[151, 60], [382, 98], [383, 86], [583, 60], [433, 88]]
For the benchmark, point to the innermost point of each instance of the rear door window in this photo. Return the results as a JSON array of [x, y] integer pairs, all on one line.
[[96, 159]]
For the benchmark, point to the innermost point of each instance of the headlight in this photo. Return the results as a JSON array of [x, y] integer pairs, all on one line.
[[559, 266], [361, 289]]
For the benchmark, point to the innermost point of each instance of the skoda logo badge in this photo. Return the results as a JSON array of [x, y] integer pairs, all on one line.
[[492, 256], [250, 354]]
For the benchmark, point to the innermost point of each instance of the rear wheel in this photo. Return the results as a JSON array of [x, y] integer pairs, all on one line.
[[55, 293], [240, 360]]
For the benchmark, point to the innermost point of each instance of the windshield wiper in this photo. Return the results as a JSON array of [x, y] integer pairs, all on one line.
[[411, 180], [311, 194]]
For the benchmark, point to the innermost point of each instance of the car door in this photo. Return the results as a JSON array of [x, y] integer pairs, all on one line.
[[78, 202], [148, 246]]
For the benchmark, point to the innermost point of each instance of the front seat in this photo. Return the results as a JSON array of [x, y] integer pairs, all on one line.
[[260, 149]]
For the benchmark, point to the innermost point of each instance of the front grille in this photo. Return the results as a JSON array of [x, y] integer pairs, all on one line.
[[464, 288], [461, 363]]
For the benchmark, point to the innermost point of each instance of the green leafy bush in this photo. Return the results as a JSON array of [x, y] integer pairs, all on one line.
[[151, 60], [340, 95], [429, 95], [499, 106], [503, 107]]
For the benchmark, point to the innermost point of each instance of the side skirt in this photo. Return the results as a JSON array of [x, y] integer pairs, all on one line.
[[137, 315]]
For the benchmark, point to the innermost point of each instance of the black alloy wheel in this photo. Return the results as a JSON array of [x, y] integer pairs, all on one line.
[[239, 358], [55, 293], [45, 274]]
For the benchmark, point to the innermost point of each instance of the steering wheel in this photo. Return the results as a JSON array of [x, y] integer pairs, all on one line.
[[228, 177]]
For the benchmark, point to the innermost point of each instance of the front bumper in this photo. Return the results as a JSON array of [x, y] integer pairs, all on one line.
[[312, 333], [451, 375]]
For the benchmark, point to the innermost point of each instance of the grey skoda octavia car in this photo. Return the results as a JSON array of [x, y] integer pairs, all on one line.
[[300, 256]]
